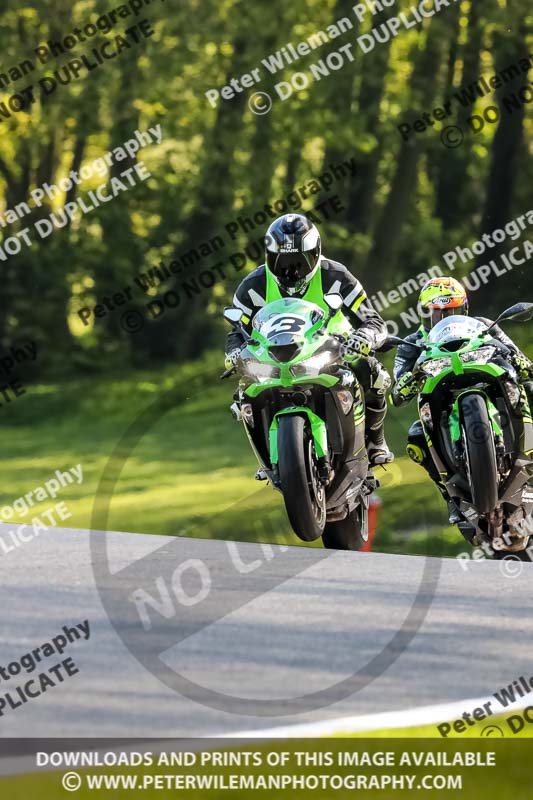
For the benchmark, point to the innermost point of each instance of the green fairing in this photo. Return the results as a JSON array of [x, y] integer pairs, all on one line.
[[255, 389], [310, 342], [310, 334], [458, 367], [431, 383], [454, 422], [494, 417], [318, 430]]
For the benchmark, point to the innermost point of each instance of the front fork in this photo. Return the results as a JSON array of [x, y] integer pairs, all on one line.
[[318, 432]]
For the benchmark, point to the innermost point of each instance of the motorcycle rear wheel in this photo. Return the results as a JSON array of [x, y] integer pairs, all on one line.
[[350, 533]]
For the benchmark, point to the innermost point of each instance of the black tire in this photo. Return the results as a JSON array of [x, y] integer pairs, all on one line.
[[305, 504], [480, 452], [350, 533]]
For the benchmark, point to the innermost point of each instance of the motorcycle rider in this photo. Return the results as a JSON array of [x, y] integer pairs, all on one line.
[[295, 267], [440, 298]]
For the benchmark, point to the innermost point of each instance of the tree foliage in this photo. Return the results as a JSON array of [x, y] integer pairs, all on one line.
[[408, 203]]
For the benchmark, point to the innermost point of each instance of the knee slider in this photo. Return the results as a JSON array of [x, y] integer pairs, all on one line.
[[415, 453], [416, 443]]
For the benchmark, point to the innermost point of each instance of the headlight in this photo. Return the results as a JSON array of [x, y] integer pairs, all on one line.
[[482, 355], [434, 366], [261, 372], [314, 364]]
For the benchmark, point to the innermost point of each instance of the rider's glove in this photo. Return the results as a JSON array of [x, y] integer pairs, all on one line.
[[523, 366], [381, 380], [407, 386], [357, 345], [232, 357]]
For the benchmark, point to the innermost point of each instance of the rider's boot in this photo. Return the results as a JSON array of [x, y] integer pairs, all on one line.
[[377, 448], [454, 515], [417, 450]]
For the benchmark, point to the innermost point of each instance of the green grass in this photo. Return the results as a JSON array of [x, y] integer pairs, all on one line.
[[480, 729], [190, 472]]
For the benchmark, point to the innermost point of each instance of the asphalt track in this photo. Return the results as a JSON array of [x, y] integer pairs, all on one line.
[[297, 621]]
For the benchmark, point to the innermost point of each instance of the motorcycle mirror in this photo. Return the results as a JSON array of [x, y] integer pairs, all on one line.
[[333, 301], [394, 341], [233, 315], [390, 343], [521, 311]]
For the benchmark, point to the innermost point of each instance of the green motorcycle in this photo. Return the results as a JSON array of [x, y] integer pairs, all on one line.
[[304, 415], [478, 427]]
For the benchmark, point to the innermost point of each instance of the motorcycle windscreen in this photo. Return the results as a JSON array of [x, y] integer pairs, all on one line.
[[456, 328], [286, 321]]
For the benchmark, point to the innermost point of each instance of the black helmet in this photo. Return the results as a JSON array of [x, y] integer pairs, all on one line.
[[292, 251]]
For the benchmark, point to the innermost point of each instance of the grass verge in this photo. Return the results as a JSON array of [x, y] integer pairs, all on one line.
[[191, 472]]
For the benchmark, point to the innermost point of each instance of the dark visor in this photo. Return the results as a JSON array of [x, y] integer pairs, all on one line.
[[440, 313], [290, 268]]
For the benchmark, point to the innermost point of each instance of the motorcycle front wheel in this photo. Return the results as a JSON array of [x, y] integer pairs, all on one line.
[[303, 492], [480, 453]]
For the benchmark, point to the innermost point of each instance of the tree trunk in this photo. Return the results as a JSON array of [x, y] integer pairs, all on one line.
[[363, 188], [381, 261], [506, 157], [455, 192]]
